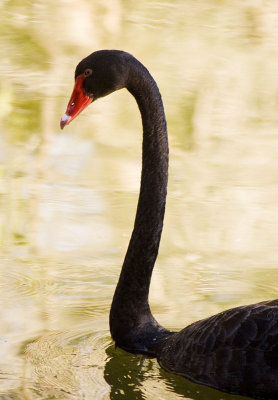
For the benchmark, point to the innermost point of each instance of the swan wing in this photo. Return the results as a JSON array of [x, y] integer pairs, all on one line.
[[235, 351]]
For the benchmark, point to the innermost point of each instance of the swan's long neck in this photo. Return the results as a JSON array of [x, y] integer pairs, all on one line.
[[131, 321]]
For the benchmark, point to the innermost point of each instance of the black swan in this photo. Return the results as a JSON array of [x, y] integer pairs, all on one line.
[[235, 351]]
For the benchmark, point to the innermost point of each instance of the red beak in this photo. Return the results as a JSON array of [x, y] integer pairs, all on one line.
[[78, 101]]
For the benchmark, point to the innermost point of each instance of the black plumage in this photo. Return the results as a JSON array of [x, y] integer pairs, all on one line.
[[234, 351]]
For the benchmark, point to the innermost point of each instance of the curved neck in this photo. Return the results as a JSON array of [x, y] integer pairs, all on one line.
[[130, 306]]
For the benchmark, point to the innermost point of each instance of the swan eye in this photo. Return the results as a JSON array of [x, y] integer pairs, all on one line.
[[88, 72]]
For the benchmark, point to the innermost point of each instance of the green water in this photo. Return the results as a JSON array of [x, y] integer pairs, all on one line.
[[67, 200]]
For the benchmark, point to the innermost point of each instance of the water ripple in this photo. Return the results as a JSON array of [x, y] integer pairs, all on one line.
[[69, 366]]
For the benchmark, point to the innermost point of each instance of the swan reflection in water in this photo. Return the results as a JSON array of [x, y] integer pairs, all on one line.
[[78, 365], [135, 377]]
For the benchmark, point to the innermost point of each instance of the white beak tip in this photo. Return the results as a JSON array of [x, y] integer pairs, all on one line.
[[64, 120]]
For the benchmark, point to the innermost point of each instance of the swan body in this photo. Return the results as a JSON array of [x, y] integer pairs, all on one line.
[[235, 351]]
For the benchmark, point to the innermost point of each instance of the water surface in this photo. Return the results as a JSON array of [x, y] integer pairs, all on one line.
[[68, 199]]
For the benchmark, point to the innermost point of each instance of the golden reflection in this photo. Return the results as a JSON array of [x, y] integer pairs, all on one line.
[[68, 199]]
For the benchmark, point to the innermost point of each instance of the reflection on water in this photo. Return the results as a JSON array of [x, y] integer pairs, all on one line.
[[68, 200]]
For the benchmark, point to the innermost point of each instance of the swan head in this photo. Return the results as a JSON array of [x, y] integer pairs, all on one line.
[[97, 75]]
